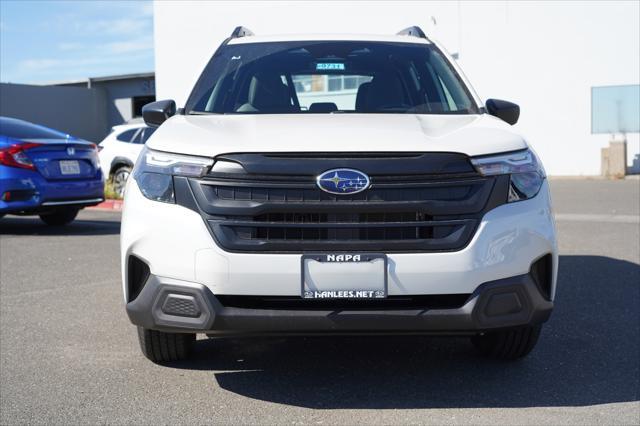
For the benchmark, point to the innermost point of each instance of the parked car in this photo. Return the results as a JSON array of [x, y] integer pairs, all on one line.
[[46, 172], [406, 205], [119, 151]]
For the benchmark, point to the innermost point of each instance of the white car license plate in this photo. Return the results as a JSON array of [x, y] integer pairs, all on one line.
[[344, 276], [69, 167]]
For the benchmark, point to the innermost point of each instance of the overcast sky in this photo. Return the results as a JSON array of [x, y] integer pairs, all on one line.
[[46, 41]]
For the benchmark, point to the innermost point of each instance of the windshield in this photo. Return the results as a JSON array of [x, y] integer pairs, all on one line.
[[329, 77]]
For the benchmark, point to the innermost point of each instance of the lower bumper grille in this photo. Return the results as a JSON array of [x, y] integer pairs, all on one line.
[[344, 235], [346, 227]]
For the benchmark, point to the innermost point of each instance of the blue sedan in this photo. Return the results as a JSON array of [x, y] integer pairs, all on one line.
[[46, 172]]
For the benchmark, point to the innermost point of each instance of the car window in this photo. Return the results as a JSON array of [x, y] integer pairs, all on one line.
[[127, 135], [19, 129], [340, 91], [450, 101], [136, 139], [146, 132], [330, 77]]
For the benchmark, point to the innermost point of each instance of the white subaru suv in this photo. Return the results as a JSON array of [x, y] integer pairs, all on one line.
[[337, 184]]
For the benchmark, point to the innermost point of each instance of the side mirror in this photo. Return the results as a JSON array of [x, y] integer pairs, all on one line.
[[156, 113], [504, 110]]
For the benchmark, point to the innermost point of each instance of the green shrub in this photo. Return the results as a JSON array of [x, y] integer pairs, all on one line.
[[109, 192]]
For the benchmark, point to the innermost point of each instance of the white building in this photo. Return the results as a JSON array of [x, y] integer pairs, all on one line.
[[545, 56]]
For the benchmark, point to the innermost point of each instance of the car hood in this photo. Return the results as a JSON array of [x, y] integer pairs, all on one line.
[[211, 135]]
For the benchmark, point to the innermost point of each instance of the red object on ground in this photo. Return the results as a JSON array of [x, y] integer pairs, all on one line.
[[108, 205]]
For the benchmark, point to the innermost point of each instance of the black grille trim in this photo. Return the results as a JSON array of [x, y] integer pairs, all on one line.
[[137, 275], [252, 198], [400, 212], [542, 274], [371, 163]]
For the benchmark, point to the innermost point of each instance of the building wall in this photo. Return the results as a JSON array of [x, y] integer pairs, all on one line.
[[75, 108], [77, 111], [119, 94], [545, 56]]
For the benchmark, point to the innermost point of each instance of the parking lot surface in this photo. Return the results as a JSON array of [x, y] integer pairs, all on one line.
[[69, 355]]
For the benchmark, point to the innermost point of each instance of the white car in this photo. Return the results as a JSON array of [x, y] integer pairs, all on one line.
[[337, 184], [120, 150]]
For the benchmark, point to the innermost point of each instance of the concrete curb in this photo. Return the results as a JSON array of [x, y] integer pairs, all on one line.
[[592, 177], [110, 205]]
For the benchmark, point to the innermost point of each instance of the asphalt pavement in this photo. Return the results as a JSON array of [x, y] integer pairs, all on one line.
[[69, 355]]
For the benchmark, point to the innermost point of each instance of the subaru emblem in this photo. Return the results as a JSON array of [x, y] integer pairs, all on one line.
[[343, 181], [71, 150]]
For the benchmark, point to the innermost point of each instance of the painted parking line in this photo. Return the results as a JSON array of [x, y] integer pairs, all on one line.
[[607, 218]]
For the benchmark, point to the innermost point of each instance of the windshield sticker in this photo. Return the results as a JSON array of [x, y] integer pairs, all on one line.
[[333, 66]]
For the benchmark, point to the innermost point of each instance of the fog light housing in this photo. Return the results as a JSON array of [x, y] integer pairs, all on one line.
[[18, 195]]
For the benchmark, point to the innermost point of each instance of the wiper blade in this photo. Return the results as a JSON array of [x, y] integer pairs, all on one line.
[[202, 113]]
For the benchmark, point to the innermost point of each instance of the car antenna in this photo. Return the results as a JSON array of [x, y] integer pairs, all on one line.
[[414, 31], [241, 32]]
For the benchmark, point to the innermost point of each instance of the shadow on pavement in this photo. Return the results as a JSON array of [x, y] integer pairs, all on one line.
[[32, 225], [588, 354]]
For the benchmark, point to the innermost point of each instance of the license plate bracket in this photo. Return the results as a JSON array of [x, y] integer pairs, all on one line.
[[344, 276]]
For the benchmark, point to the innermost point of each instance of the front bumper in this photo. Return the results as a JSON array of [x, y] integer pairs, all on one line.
[[173, 306], [176, 243]]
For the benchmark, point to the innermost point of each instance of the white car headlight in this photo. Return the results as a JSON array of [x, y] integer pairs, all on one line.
[[154, 172], [525, 170]]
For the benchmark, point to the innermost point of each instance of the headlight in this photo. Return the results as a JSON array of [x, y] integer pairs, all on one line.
[[526, 172], [154, 172]]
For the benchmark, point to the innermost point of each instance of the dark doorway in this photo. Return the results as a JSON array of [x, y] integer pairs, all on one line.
[[138, 102]]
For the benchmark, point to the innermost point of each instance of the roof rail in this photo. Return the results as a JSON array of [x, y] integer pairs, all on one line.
[[241, 32], [414, 31]]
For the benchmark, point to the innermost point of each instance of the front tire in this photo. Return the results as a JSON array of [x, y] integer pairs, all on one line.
[[59, 217], [119, 179], [507, 344], [161, 347]]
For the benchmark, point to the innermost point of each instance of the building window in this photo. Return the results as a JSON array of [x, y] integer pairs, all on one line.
[[350, 82], [138, 102], [335, 83]]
